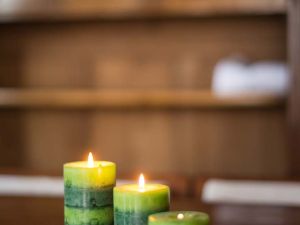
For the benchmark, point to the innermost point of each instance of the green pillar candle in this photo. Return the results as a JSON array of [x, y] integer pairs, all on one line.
[[179, 218], [133, 203], [89, 192]]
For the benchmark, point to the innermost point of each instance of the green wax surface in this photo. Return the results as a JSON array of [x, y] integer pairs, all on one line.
[[89, 193], [133, 218], [153, 198], [79, 174], [179, 218], [133, 204], [78, 216], [88, 197]]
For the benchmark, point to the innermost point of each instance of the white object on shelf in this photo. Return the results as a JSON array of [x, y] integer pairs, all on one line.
[[11, 185], [31, 186], [252, 192], [232, 77]]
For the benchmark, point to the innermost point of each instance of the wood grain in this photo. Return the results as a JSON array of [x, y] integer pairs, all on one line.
[[149, 55], [294, 100], [255, 214], [152, 60], [37, 10], [11, 138], [247, 143], [82, 99]]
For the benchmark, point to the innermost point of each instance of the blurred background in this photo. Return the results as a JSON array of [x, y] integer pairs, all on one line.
[[185, 91]]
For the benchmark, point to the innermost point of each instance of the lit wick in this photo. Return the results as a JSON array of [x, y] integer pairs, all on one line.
[[141, 182], [180, 216], [90, 160]]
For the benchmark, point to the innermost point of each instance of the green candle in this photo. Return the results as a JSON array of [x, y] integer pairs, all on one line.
[[89, 192], [179, 218], [133, 203]]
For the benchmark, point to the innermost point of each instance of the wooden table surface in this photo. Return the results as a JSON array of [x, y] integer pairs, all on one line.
[[50, 211]]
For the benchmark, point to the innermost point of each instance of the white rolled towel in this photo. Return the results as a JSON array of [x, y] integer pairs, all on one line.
[[246, 192], [233, 77]]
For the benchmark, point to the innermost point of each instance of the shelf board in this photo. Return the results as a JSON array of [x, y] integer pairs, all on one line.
[[65, 10], [90, 99]]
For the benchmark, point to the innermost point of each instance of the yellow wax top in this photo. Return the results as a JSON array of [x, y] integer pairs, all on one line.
[[80, 174], [136, 189], [84, 164], [132, 198]]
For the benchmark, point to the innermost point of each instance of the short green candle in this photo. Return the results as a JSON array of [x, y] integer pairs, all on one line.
[[179, 218], [88, 195], [134, 203]]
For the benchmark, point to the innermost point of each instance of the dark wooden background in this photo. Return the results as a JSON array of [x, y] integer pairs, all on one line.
[[131, 82], [165, 50]]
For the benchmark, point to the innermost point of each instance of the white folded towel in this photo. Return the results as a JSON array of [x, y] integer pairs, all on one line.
[[233, 77], [252, 192], [31, 186], [39, 186]]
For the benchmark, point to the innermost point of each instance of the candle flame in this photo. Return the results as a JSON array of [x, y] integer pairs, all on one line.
[[90, 160], [142, 181], [180, 216]]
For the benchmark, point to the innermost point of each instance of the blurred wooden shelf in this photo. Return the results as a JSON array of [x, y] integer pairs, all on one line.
[[64, 10], [82, 99]]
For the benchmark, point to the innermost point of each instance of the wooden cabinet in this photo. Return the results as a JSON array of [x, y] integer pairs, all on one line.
[[131, 80]]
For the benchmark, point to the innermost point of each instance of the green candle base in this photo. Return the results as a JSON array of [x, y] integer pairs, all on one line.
[[133, 218], [133, 204], [179, 218], [88, 197], [80, 216]]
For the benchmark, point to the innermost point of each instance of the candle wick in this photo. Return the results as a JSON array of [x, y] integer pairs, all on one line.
[[141, 182], [90, 160], [180, 216]]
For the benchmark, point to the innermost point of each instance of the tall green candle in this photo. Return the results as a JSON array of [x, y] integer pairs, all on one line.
[[179, 218], [89, 192], [133, 203]]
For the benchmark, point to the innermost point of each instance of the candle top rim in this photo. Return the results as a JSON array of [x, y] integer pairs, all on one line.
[[84, 164], [134, 188], [173, 216]]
